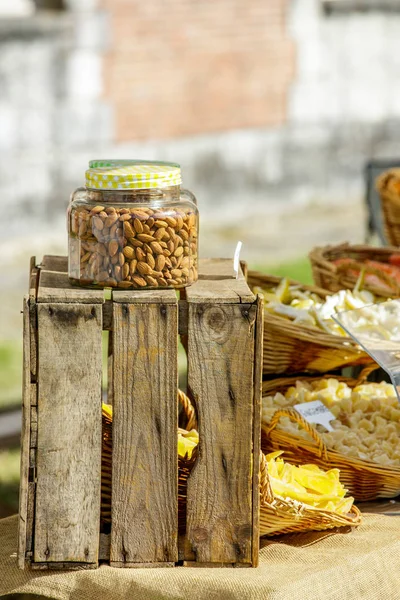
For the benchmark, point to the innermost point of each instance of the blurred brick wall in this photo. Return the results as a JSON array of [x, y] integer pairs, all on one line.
[[180, 67]]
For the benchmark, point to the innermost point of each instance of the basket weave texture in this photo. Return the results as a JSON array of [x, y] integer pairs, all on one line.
[[388, 186], [294, 348], [337, 277], [276, 515], [365, 480]]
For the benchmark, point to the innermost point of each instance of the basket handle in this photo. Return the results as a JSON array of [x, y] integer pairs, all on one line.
[[266, 492], [297, 418], [365, 372], [189, 410]]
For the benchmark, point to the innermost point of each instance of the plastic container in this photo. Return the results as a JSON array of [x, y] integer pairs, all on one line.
[[133, 226]]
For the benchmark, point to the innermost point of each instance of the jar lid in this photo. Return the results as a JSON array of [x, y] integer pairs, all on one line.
[[131, 174]]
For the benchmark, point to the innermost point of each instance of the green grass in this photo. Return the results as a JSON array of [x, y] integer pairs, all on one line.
[[10, 372], [299, 269]]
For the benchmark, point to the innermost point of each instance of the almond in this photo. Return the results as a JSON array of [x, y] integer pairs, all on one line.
[[150, 260], [135, 242], [144, 268], [178, 251], [140, 255], [117, 273], [156, 248], [159, 234], [132, 266], [171, 221], [151, 281], [113, 247], [125, 271], [144, 237], [128, 231], [137, 225], [121, 258], [128, 252], [139, 280], [160, 262], [98, 223], [102, 276], [111, 219], [160, 223]]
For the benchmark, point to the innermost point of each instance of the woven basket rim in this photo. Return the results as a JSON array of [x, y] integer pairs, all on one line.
[[327, 273], [299, 331]]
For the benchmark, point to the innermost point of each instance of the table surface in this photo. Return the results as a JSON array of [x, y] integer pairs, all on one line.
[[356, 564]]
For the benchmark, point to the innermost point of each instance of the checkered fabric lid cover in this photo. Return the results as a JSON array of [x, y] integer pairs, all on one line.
[[131, 174]]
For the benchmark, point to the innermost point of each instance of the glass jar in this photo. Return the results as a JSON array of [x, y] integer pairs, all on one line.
[[132, 226]]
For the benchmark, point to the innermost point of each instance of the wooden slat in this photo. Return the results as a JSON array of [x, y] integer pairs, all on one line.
[[55, 263], [214, 286], [69, 436], [258, 364], [55, 287], [110, 368], [144, 461], [30, 517], [220, 380], [25, 437], [145, 296], [216, 268], [33, 286], [34, 427]]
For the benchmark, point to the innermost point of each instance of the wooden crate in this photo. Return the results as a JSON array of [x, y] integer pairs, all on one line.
[[59, 522]]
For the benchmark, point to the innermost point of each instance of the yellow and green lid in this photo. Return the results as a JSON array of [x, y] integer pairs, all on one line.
[[131, 174]]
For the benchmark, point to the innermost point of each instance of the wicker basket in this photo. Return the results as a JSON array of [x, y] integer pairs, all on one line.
[[337, 277], [292, 348], [279, 516], [365, 480], [388, 186], [276, 515]]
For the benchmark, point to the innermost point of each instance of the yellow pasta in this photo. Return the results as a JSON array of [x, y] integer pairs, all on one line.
[[367, 418]]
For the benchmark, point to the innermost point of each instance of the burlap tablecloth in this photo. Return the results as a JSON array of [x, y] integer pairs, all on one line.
[[359, 565]]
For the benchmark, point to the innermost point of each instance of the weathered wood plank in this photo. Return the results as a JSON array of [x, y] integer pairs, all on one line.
[[55, 287], [69, 437], [33, 287], [34, 427], [145, 417], [258, 364], [159, 296], [30, 517], [220, 380], [215, 286], [110, 368], [104, 546], [25, 437], [216, 269], [55, 263]]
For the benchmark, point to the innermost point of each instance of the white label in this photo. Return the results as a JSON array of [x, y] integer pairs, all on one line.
[[236, 259], [316, 413]]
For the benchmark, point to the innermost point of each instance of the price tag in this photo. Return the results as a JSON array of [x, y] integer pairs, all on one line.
[[236, 259], [316, 413]]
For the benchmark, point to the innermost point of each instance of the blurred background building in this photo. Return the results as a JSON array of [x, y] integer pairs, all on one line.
[[272, 107]]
